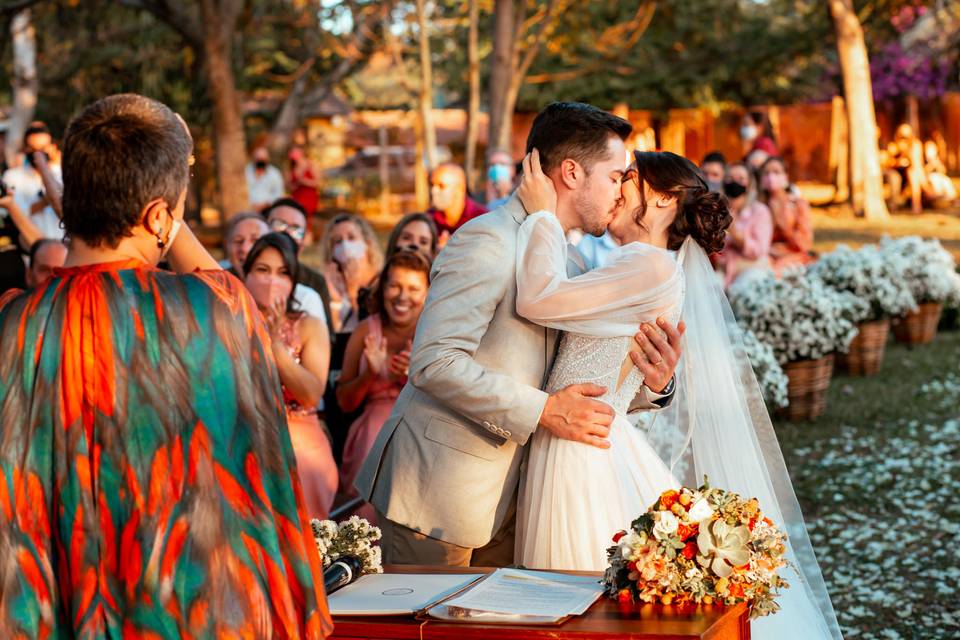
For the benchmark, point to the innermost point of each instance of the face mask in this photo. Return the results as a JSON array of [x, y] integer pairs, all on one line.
[[266, 288], [733, 189], [748, 132], [498, 173], [716, 186], [174, 230], [260, 164], [349, 250], [775, 182]]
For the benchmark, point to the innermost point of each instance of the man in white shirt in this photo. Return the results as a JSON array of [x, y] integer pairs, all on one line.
[[27, 184], [264, 181]]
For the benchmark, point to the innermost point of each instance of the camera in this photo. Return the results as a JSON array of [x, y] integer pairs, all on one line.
[[30, 153], [3, 189]]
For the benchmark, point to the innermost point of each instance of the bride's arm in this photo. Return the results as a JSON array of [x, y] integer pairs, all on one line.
[[641, 284]]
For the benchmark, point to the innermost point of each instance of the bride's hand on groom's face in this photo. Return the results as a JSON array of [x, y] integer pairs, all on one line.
[[573, 414], [536, 190], [658, 355]]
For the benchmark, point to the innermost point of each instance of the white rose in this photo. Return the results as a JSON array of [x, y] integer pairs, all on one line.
[[666, 525], [700, 511]]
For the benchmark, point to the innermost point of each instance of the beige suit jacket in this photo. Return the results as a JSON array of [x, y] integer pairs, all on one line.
[[447, 461]]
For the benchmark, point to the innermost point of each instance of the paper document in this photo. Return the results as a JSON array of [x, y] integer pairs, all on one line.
[[396, 593], [530, 593]]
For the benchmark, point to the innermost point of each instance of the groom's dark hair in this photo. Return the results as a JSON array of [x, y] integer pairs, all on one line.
[[574, 130]]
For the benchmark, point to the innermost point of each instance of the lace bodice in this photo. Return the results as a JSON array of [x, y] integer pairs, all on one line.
[[597, 360]]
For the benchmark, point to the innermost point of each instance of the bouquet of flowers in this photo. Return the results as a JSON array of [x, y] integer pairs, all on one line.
[[699, 546], [770, 376], [797, 314], [928, 269], [353, 537], [869, 275]]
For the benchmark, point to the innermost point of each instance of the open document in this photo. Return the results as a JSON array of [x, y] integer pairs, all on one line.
[[522, 597], [386, 594]]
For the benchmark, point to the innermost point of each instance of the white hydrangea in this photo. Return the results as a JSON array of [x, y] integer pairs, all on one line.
[[770, 376], [870, 275], [928, 269], [798, 315], [354, 537]]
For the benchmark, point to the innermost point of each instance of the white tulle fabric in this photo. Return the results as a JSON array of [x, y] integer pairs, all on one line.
[[574, 497]]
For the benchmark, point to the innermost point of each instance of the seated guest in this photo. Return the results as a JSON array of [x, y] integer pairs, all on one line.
[[714, 168], [353, 260], [450, 206], [501, 172], [301, 348], [147, 474], [16, 232], [792, 221], [414, 231], [288, 216], [242, 232], [377, 357], [748, 238], [938, 188], [757, 133], [45, 256]]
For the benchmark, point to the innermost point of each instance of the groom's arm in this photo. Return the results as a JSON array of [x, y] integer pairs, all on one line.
[[470, 278]]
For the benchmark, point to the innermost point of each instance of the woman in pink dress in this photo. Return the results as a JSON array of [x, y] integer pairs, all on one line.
[[301, 346], [747, 245], [377, 357], [792, 221]]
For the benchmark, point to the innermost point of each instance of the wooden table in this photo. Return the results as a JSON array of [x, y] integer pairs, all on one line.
[[605, 619]]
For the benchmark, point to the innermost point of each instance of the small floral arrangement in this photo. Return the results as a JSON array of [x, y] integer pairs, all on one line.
[[798, 315], [353, 537], [770, 376], [928, 269], [871, 276], [699, 547]]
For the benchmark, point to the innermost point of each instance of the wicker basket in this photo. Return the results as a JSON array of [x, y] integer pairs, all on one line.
[[920, 326], [807, 391], [866, 351]]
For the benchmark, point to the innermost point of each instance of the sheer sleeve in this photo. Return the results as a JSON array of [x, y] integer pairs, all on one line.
[[640, 284]]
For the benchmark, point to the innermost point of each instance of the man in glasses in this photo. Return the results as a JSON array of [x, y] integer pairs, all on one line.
[[286, 215]]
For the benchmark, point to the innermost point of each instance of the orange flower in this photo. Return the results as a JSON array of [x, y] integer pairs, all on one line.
[[625, 595], [690, 550], [668, 499], [618, 535], [686, 531], [736, 590]]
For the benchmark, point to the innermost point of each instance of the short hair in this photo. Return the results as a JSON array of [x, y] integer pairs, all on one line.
[[120, 153], [40, 244], [404, 221], [285, 202], [33, 129], [369, 236], [233, 222], [287, 248], [403, 259], [714, 156], [574, 130]]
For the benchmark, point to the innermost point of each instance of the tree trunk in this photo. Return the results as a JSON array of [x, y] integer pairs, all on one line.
[[229, 138], [426, 89], [501, 72], [473, 109], [24, 81], [866, 179]]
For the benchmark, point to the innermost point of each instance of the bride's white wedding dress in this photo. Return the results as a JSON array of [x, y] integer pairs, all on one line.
[[574, 497]]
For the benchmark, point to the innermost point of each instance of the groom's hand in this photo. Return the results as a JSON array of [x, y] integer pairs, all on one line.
[[573, 414], [658, 356]]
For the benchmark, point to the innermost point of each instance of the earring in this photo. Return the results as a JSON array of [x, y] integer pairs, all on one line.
[[160, 243]]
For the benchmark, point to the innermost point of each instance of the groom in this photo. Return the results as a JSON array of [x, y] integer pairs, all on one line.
[[444, 470]]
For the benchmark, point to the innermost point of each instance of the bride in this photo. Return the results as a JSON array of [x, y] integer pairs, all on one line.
[[574, 496]]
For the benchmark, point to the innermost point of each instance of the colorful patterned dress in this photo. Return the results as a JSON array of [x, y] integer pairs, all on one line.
[[147, 483]]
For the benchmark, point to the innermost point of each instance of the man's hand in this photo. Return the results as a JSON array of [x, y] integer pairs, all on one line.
[[658, 357], [573, 414]]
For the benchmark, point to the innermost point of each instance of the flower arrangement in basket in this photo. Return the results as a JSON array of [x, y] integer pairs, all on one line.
[[699, 546], [353, 537], [928, 269], [872, 277], [770, 376], [798, 315]]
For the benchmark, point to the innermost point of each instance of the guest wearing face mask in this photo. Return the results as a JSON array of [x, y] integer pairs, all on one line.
[[353, 261], [748, 238], [501, 172], [264, 181], [792, 221], [757, 134], [301, 348], [713, 168], [377, 358]]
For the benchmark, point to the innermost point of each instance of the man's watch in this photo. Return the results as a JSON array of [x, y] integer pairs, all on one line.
[[668, 390]]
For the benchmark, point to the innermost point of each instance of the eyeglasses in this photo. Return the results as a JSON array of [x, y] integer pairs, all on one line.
[[295, 231]]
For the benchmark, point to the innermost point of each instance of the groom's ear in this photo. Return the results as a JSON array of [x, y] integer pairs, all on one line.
[[571, 174]]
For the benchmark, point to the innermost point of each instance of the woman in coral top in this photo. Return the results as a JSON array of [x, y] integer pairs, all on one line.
[[147, 482]]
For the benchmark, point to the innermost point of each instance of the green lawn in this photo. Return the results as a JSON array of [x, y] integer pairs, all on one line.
[[878, 477]]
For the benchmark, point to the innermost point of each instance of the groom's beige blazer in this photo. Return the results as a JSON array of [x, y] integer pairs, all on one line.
[[447, 461]]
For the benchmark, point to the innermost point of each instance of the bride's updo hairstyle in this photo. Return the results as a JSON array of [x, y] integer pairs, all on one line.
[[701, 213]]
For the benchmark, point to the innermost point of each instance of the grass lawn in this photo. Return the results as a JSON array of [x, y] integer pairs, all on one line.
[[878, 477]]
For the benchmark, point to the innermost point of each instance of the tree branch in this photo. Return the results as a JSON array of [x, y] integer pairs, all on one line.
[[534, 47], [16, 6], [174, 14]]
